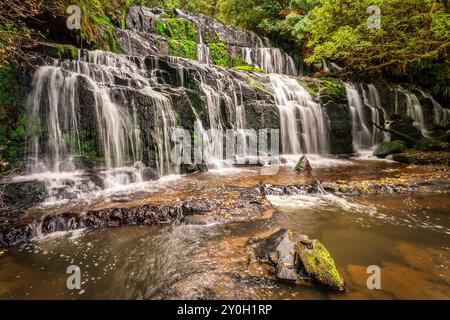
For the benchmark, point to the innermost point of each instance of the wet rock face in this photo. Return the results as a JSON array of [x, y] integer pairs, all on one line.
[[210, 30], [404, 125], [340, 132], [240, 206], [296, 258], [23, 195]]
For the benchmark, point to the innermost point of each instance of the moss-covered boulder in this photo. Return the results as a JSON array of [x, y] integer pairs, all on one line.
[[389, 147], [296, 258], [316, 262]]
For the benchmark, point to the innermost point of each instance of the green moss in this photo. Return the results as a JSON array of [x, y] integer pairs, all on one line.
[[188, 49], [64, 51], [389, 147], [312, 88], [176, 29], [238, 61], [110, 40], [332, 88], [183, 48], [220, 54], [160, 27], [319, 265], [248, 68], [211, 37], [427, 144], [256, 84], [85, 145]]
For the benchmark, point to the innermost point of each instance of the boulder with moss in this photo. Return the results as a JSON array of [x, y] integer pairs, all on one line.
[[316, 262], [296, 258], [389, 147]]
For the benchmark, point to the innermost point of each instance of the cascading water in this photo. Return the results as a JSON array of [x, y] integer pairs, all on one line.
[[272, 60], [104, 127], [414, 110], [303, 124], [365, 110]]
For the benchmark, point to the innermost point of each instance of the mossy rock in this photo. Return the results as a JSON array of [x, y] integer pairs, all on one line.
[[248, 68], [64, 51], [220, 54], [390, 147], [318, 264], [176, 29], [427, 144], [183, 48]]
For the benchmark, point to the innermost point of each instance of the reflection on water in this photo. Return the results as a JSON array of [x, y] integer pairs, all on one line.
[[407, 236]]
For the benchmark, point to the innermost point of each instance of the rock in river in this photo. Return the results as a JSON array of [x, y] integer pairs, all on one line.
[[297, 258]]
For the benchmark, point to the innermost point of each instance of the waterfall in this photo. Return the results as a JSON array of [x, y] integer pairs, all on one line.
[[372, 99], [414, 111], [364, 110], [303, 124], [271, 60], [86, 108]]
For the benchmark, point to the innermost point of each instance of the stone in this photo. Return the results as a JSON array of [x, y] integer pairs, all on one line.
[[390, 147], [404, 125], [316, 262], [340, 131], [23, 194], [303, 165], [296, 258]]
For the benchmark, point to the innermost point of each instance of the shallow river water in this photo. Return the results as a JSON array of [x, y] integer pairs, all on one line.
[[407, 236]]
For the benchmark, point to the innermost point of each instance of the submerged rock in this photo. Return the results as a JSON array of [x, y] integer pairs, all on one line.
[[296, 258]]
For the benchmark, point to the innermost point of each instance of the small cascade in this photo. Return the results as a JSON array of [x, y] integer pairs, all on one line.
[[365, 109], [304, 128], [372, 99], [203, 52], [271, 60], [414, 111]]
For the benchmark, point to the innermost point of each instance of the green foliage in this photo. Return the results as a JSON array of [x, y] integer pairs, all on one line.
[[220, 54], [8, 86], [406, 37]]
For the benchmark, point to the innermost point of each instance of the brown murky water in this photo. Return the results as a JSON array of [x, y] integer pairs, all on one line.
[[407, 236]]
